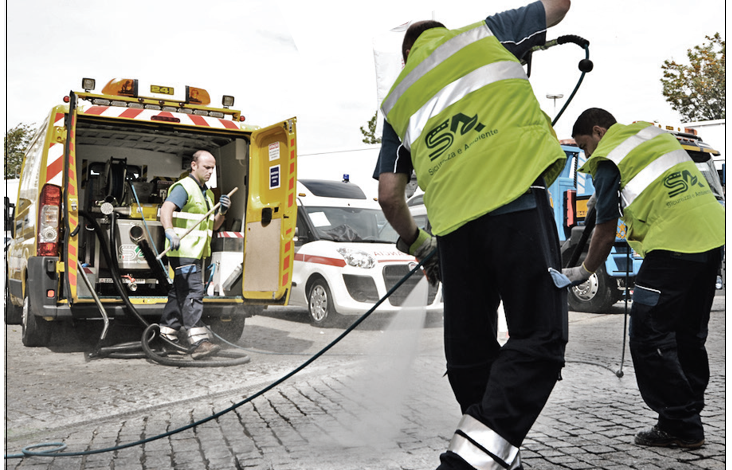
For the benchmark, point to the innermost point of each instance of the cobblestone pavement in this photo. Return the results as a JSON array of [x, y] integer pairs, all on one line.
[[385, 407]]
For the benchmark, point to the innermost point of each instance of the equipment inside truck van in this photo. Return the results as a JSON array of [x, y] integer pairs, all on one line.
[[108, 160]]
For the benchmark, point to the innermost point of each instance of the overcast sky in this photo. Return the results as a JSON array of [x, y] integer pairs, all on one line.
[[314, 59]]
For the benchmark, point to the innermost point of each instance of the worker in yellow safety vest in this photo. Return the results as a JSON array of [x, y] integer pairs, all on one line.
[[643, 175], [189, 199], [463, 116]]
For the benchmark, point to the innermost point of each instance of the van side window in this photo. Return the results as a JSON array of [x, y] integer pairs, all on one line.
[[30, 177]]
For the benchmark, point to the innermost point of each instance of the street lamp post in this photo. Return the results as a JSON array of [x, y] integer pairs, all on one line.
[[555, 97]]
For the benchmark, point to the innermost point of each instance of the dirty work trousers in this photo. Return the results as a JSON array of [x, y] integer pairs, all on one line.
[[668, 329], [502, 257], [185, 297]]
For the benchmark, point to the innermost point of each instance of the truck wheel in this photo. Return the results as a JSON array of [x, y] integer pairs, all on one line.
[[320, 304], [229, 329], [36, 330], [596, 295]]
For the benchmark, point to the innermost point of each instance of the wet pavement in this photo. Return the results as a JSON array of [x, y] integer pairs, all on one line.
[[376, 401]]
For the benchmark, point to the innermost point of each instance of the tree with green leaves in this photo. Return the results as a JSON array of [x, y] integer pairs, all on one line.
[[369, 136], [17, 140], [697, 90]]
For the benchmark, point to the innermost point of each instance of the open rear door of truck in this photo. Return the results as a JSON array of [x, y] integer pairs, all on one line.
[[271, 214]]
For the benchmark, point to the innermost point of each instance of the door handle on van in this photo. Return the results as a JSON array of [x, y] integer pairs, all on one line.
[[266, 216]]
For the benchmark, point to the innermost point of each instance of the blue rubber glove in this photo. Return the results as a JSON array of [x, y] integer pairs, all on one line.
[[225, 204], [173, 237]]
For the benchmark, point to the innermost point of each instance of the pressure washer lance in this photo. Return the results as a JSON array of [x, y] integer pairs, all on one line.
[[590, 219], [198, 223]]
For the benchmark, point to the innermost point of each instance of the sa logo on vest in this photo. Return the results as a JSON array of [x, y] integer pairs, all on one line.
[[443, 135], [680, 181]]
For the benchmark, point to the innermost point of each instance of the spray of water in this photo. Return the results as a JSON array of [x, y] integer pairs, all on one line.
[[381, 386]]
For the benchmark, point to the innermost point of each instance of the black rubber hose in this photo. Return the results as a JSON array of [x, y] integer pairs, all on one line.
[[589, 226], [149, 256], [112, 262], [154, 330]]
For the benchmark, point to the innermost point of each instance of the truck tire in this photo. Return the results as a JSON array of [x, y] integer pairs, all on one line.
[[596, 295], [36, 330], [320, 304]]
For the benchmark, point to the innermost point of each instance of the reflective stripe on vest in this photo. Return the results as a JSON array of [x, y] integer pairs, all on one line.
[[197, 243], [482, 447], [456, 91], [452, 92], [621, 151], [651, 173], [436, 58]]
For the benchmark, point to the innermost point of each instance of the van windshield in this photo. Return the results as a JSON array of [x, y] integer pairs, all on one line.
[[351, 224]]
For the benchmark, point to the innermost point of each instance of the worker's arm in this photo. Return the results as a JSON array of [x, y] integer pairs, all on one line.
[[602, 242], [166, 218], [218, 221], [555, 11], [166, 214], [394, 204]]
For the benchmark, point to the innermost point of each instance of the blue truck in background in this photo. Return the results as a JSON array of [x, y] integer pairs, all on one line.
[[570, 193]]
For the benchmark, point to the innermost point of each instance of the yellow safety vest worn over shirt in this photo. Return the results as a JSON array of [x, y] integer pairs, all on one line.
[[197, 244], [666, 201], [465, 109]]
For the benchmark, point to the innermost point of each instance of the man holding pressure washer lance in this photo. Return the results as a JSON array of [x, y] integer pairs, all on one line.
[[463, 115], [642, 174], [188, 201]]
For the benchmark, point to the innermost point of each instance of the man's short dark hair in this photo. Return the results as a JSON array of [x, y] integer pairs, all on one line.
[[590, 118], [413, 32]]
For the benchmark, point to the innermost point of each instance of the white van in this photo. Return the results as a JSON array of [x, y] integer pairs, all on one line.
[[345, 254]]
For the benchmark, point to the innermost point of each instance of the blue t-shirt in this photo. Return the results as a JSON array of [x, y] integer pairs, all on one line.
[[179, 195], [518, 31], [607, 192]]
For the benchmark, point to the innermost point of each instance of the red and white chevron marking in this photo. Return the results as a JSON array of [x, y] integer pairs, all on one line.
[[147, 114], [230, 234]]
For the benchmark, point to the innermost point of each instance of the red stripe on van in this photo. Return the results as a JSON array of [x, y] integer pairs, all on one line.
[[320, 260]]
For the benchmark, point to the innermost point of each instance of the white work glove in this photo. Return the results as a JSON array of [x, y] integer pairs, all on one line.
[[423, 246], [173, 237], [578, 274], [225, 203]]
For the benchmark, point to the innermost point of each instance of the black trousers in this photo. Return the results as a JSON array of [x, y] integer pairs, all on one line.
[[668, 330], [185, 297], [503, 258]]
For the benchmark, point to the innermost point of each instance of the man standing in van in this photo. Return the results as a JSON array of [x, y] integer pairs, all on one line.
[[463, 114], [188, 201]]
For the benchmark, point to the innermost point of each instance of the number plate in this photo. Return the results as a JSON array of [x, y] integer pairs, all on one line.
[[163, 90]]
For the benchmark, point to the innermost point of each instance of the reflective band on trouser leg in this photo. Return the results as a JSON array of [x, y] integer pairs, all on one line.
[[169, 333], [198, 334], [482, 447], [651, 173], [457, 90], [621, 151]]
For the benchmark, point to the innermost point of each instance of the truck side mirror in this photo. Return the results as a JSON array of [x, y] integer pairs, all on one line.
[[9, 217]]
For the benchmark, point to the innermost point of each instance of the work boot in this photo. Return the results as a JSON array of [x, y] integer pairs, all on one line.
[[205, 348], [656, 437]]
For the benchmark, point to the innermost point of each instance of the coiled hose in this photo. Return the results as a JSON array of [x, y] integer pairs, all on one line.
[[142, 349]]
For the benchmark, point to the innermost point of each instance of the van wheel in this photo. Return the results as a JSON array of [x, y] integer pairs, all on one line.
[[13, 313], [229, 329], [36, 330], [320, 304], [596, 295]]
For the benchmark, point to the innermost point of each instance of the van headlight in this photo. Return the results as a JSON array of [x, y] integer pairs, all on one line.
[[357, 258]]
